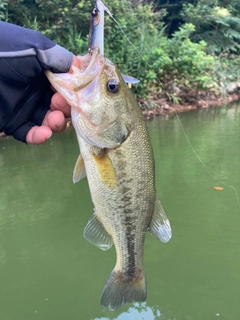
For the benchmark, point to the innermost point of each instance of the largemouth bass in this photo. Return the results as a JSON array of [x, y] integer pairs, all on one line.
[[117, 158]]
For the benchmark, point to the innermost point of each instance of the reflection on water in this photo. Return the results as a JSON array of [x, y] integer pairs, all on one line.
[[49, 271], [139, 311]]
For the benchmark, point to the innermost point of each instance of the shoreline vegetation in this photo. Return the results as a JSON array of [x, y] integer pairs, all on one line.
[[186, 54]]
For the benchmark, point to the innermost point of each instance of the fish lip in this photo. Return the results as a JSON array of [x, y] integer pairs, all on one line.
[[95, 58]]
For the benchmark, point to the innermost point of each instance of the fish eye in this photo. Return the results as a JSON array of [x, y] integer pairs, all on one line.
[[113, 86]]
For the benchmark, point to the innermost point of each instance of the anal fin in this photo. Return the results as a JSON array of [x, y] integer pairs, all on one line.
[[160, 226], [96, 234], [79, 171]]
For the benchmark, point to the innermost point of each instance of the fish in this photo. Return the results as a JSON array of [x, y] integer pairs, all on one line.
[[117, 159]]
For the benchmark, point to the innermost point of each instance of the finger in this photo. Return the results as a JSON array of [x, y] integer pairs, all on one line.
[[59, 103], [55, 120], [38, 135]]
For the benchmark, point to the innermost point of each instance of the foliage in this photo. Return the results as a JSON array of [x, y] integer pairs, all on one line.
[[215, 24], [191, 65], [227, 72], [180, 62], [3, 6], [143, 30], [166, 43]]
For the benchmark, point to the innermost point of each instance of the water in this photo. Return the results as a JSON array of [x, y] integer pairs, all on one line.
[[48, 271]]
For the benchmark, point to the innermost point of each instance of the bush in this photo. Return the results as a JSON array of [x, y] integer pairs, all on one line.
[[174, 61], [215, 24]]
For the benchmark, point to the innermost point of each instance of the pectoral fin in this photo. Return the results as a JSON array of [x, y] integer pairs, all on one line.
[[160, 226], [96, 234], [105, 170], [79, 171]]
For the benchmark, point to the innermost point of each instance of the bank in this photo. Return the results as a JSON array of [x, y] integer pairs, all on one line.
[[188, 100], [156, 105]]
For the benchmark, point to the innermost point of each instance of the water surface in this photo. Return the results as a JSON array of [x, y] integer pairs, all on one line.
[[49, 271]]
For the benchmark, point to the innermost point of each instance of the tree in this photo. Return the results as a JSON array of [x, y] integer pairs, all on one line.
[[214, 24]]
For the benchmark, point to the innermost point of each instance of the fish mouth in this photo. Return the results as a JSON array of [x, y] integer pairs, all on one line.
[[81, 88], [71, 85], [90, 66]]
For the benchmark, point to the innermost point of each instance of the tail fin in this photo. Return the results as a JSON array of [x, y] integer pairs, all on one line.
[[120, 289]]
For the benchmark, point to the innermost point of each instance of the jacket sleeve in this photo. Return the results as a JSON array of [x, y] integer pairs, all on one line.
[[25, 92]]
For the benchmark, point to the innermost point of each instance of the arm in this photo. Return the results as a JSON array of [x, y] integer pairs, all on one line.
[[25, 93]]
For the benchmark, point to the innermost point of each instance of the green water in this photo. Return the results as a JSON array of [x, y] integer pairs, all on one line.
[[49, 272]]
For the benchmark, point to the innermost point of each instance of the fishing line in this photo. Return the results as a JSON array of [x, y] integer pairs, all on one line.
[[130, 42], [203, 164], [178, 119]]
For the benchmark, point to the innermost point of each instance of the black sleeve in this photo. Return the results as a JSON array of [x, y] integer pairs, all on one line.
[[25, 92]]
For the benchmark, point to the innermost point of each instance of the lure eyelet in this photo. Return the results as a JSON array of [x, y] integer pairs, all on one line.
[[113, 86]]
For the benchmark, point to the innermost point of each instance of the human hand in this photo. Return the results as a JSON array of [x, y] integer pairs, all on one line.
[[55, 118], [54, 121], [30, 111]]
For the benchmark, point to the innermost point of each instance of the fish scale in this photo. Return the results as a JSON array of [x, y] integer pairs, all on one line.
[[134, 203]]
